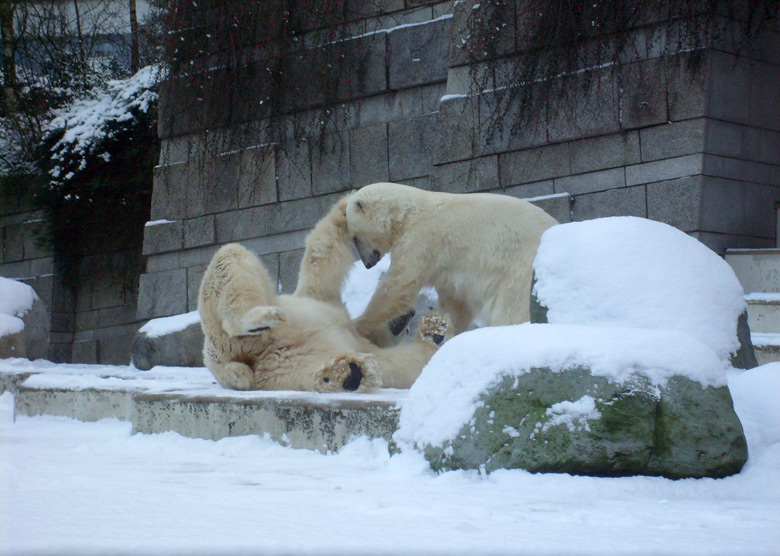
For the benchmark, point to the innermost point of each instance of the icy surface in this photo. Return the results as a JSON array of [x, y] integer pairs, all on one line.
[[627, 271], [167, 325], [16, 298], [94, 488], [471, 362]]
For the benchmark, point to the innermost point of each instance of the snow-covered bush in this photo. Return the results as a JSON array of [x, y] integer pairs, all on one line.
[[99, 154]]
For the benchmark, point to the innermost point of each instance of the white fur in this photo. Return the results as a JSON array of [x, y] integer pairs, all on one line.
[[477, 250], [256, 339]]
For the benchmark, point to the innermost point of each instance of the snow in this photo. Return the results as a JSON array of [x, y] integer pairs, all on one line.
[[760, 339], [627, 271], [187, 381], [88, 488], [16, 299], [765, 297], [574, 414], [86, 120], [545, 197], [95, 488], [472, 362], [394, 29], [625, 296], [167, 325], [10, 325], [361, 283], [159, 222]]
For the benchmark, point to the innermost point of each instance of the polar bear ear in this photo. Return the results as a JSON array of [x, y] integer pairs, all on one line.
[[360, 205]]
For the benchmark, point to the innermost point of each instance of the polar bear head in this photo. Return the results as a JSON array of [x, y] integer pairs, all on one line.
[[376, 217]]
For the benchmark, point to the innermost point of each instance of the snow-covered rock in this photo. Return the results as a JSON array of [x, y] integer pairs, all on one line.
[[175, 341], [628, 271], [24, 321], [575, 399], [628, 377]]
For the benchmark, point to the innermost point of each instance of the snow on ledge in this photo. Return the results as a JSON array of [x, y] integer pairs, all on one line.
[[763, 297], [168, 325], [765, 339], [159, 222]]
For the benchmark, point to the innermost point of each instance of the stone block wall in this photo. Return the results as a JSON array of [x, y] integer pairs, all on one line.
[[686, 137], [23, 260], [690, 144], [93, 323]]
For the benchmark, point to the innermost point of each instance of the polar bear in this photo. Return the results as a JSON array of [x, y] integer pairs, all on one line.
[[258, 340], [476, 249]]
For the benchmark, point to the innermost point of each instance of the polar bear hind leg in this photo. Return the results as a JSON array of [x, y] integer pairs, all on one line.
[[237, 294]]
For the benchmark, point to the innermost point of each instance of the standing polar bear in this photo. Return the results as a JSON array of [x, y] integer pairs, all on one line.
[[476, 249], [258, 340]]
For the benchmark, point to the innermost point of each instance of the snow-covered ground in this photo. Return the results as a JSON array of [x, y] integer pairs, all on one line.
[[68, 487]]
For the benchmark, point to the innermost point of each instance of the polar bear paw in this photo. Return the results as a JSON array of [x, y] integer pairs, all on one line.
[[254, 321], [350, 373], [399, 324], [434, 327]]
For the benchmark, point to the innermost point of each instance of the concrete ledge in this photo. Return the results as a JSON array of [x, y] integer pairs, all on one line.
[[82, 405], [11, 382], [188, 401], [301, 423]]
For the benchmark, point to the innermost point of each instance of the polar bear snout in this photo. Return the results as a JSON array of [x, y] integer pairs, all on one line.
[[354, 379], [369, 256]]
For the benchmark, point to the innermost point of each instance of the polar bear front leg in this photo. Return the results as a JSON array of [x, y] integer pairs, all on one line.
[[390, 308], [327, 257], [254, 321], [459, 315]]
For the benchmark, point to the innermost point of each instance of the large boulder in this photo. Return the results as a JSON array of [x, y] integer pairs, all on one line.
[[12, 344], [579, 400], [37, 326], [175, 341], [622, 370]]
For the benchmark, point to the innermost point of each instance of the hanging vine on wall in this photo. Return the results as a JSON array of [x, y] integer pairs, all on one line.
[[232, 62], [523, 47]]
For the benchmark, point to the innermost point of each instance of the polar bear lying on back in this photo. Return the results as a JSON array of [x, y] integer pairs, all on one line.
[[477, 250], [258, 340]]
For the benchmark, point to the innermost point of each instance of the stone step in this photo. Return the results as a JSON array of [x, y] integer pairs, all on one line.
[[189, 402], [764, 312], [766, 347], [758, 270]]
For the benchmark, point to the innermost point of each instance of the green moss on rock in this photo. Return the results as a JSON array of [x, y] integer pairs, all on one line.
[[679, 430]]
